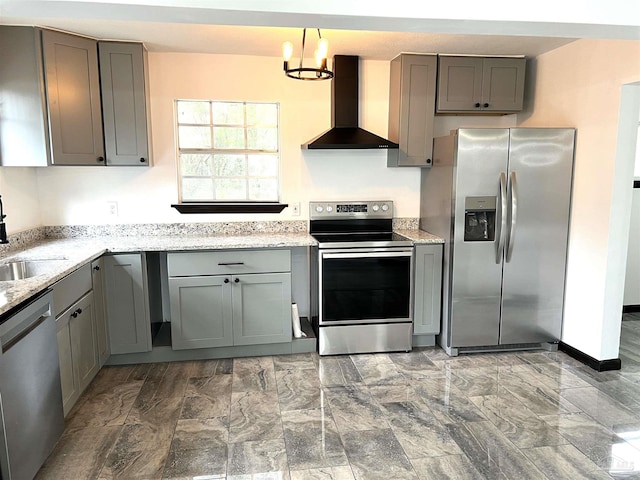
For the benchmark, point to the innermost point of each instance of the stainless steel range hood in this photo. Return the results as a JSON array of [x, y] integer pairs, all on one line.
[[344, 132]]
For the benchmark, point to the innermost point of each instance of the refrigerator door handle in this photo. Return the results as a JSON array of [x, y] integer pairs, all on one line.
[[513, 190], [502, 222]]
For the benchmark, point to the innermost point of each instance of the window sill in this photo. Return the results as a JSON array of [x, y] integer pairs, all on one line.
[[231, 207]]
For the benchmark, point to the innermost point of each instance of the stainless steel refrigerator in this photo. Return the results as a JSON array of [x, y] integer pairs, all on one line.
[[501, 199]]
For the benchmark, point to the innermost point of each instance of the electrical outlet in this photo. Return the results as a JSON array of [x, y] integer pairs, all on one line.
[[295, 209], [112, 209]]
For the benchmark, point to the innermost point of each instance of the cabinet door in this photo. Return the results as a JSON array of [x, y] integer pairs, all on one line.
[[503, 84], [97, 268], [127, 309], [84, 341], [459, 84], [417, 92], [122, 77], [428, 288], [68, 379], [201, 312], [261, 308], [73, 98]]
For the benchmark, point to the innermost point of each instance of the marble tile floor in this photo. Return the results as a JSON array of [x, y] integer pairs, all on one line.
[[418, 415]]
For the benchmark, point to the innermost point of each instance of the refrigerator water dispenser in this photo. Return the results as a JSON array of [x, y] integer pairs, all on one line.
[[479, 219]]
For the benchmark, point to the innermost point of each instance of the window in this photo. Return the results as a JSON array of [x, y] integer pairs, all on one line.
[[227, 151]]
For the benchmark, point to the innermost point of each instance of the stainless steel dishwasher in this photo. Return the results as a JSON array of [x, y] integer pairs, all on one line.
[[30, 393]]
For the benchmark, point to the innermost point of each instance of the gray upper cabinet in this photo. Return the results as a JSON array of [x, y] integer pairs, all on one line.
[[24, 141], [412, 93], [480, 84], [126, 300], [123, 67], [428, 290], [72, 88]]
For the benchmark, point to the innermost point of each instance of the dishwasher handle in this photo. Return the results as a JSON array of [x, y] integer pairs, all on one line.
[[26, 320]]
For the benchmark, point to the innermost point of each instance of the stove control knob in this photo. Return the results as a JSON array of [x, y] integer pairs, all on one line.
[[385, 207], [319, 209], [375, 208], [329, 209]]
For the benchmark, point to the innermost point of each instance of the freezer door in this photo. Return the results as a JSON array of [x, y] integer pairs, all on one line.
[[539, 195], [476, 275]]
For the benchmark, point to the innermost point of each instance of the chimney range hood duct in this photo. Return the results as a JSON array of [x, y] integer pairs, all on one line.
[[345, 133]]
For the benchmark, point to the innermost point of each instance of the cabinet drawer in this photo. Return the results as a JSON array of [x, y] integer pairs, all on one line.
[[68, 290], [228, 262]]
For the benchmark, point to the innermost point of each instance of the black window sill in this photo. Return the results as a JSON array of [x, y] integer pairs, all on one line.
[[238, 207]]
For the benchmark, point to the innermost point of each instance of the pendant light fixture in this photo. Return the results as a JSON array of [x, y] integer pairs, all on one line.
[[319, 72]]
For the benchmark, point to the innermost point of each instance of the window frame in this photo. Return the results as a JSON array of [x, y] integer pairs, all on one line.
[[226, 206]]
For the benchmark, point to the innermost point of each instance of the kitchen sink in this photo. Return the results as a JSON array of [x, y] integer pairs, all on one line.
[[19, 270]]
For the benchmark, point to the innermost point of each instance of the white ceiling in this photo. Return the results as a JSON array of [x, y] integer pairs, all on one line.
[[372, 30]]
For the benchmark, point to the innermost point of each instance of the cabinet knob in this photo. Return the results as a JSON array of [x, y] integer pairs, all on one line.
[[226, 280], [485, 105], [477, 105], [96, 268], [428, 161], [142, 160], [79, 311], [101, 159], [237, 280], [74, 314]]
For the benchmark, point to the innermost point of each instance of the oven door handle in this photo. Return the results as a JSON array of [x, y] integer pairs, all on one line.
[[367, 254]]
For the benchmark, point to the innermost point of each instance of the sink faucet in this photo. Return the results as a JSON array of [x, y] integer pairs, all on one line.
[[3, 226]]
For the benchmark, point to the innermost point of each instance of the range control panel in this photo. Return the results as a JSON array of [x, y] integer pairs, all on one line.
[[348, 209]]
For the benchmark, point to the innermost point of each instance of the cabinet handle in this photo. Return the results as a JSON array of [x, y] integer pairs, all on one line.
[[485, 105], [101, 159], [237, 280], [96, 268], [477, 105], [428, 162], [142, 160], [74, 314], [226, 264], [79, 311], [226, 280]]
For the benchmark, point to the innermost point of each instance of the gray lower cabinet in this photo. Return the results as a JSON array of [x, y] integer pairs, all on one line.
[[229, 298], [428, 289], [77, 349], [126, 301], [480, 84], [412, 96], [75, 120], [125, 107], [97, 268]]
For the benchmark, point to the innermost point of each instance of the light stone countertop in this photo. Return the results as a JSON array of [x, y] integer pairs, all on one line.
[[420, 236], [76, 252]]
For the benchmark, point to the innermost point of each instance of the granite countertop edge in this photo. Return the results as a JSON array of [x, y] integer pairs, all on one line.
[[75, 252]]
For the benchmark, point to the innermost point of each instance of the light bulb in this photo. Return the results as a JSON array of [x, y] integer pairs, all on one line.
[[323, 48], [319, 58], [287, 51]]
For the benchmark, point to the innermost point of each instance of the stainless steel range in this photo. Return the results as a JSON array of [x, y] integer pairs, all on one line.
[[362, 281]]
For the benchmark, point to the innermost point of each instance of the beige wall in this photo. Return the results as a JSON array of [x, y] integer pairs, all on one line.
[[579, 85], [19, 190], [145, 194]]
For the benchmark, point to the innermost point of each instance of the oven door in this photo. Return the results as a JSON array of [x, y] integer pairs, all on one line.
[[359, 286]]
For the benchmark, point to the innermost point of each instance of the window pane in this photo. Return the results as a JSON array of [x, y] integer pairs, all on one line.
[[263, 189], [229, 165], [194, 137], [197, 189], [193, 112], [262, 138], [262, 114], [231, 189], [196, 165], [228, 113], [228, 137], [263, 165]]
